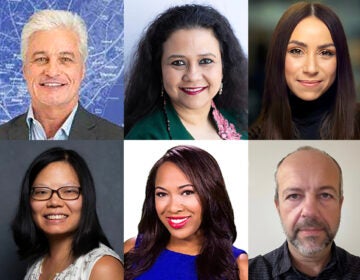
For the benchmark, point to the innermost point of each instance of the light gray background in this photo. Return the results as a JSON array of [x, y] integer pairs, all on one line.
[[139, 14], [231, 156], [105, 160], [265, 231]]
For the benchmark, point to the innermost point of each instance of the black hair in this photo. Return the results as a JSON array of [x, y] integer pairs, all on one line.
[[31, 240], [144, 81]]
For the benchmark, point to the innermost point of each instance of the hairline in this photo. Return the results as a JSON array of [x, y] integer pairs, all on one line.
[[307, 148]]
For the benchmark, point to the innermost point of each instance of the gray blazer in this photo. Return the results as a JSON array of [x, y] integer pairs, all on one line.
[[85, 126]]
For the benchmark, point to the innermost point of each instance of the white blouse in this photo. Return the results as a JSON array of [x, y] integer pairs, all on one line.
[[79, 270]]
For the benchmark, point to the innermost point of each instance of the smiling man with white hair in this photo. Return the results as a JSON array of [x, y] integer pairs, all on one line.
[[54, 51]]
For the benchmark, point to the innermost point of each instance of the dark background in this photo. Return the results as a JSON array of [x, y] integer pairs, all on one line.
[[263, 17], [105, 160]]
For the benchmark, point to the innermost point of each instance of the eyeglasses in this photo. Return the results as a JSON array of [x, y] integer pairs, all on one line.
[[65, 193]]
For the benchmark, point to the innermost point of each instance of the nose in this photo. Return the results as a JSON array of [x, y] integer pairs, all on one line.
[[52, 68], [55, 201], [311, 65], [192, 73], [310, 207], [176, 204]]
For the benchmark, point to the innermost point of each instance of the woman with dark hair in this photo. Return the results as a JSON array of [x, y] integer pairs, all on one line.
[[188, 79], [56, 224], [187, 225], [309, 90]]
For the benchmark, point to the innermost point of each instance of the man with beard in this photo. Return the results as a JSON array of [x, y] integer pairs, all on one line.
[[308, 197]]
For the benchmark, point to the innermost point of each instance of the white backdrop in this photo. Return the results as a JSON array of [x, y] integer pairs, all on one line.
[[138, 15], [265, 231], [140, 156]]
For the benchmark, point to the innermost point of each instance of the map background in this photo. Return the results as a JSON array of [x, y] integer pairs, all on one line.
[[102, 89]]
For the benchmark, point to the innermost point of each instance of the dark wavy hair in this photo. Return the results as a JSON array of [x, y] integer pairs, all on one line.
[[275, 119], [216, 260], [144, 80], [31, 240]]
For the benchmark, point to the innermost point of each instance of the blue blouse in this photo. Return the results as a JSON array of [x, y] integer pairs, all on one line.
[[176, 266]]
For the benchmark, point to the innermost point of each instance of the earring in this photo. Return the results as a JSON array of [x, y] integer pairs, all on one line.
[[221, 89], [162, 91]]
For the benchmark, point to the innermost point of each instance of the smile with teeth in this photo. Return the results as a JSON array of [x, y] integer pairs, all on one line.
[[192, 90], [177, 222], [56, 216], [52, 84]]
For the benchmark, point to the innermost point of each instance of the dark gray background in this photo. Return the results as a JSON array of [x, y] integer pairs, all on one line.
[[105, 160]]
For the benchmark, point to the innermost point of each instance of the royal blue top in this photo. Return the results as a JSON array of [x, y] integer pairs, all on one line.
[[176, 266]]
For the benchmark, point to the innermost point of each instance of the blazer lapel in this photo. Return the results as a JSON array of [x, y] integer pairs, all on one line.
[[19, 130], [83, 124]]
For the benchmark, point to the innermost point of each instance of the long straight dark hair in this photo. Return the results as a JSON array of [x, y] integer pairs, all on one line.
[[275, 120], [31, 241], [216, 260]]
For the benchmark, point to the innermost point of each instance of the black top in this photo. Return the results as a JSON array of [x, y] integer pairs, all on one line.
[[309, 115], [277, 265]]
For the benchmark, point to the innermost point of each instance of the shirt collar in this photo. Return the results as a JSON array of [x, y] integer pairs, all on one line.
[[283, 262], [36, 131]]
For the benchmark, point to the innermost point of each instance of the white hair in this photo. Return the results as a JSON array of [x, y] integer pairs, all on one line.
[[52, 19]]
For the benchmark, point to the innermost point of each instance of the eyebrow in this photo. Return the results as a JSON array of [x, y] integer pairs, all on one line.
[[61, 53], [295, 189], [183, 56], [179, 187], [302, 44]]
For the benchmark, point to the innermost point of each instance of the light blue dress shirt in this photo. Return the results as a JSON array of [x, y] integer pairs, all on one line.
[[37, 132]]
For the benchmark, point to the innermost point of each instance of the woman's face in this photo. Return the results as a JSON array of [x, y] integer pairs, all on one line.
[[191, 68], [57, 216], [310, 61], [177, 203]]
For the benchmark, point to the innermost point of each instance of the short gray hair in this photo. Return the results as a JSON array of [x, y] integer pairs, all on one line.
[[307, 148], [52, 19]]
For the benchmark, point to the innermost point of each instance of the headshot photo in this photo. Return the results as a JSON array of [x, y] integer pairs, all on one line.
[[62, 212], [62, 74], [186, 70], [185, 201], [304, 70], [303, 210]]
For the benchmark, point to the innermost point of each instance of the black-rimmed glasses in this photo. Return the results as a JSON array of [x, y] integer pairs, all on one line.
[[65, 193]]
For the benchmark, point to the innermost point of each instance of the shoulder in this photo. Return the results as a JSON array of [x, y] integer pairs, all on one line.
[[351, 262], [262, 266], [129, 244], [237, 252], [243, 265], [19, 127], [237, 122], [107, 267], [90, 126], [151, 126], [100, 261]]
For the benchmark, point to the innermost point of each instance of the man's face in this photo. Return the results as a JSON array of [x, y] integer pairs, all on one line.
[[53, 68], [309, 201]]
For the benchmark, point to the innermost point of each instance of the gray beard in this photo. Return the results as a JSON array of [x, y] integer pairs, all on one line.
[[309, 246]]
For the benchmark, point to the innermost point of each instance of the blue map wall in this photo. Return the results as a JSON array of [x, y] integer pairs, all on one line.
[[102, 89]]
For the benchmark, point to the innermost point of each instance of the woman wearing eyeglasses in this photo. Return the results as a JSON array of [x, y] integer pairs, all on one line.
[[56, 224]]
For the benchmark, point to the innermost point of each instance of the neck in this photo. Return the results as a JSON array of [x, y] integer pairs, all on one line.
[[310, 265], [60, 247], [190, 246], [197, 122], [58, 258], [51, 117]]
